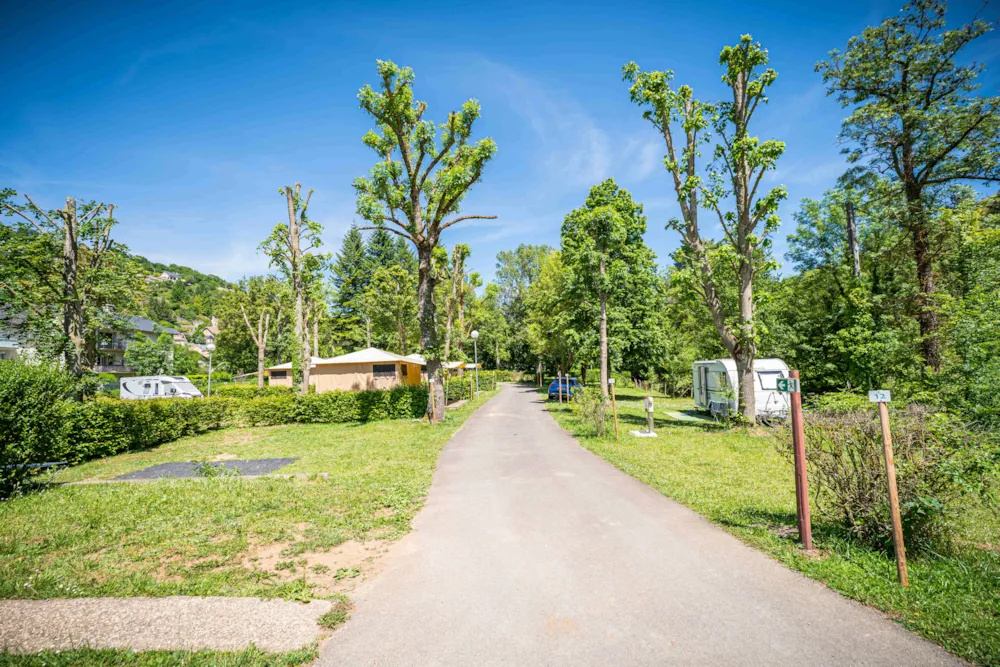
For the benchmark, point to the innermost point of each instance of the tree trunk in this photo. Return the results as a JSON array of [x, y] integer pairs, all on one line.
[[73, 345], [428, 331], [928, 315], [315, 319], [747, 348], [852, 240], [301, 334], [604, 338]]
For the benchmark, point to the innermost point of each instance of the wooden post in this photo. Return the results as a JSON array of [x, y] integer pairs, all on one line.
[[614, 405], [801, 478], [559, 385], [890, 473]]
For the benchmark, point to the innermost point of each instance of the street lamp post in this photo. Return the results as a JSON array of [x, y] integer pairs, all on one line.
[[475, 351], [211, 348]]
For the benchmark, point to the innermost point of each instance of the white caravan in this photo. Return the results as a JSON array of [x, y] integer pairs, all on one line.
[[158, 386], [716, 387]]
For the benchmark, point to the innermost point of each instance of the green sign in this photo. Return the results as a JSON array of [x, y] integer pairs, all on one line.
[[788, 385]]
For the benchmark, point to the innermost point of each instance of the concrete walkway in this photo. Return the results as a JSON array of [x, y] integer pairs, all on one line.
[[190, 623], [532, 551]]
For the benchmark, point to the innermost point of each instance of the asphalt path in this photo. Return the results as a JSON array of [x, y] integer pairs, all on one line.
[[533, 551]]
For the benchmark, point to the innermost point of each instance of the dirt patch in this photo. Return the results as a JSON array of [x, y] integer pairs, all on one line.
[[224, 457], [236, 438], [336, 570], [560, 626], [384, 513]]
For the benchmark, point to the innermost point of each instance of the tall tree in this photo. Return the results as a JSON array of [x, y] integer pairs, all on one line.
[[392, 295], [602, 242], [350, 270], [916, 115], [289, 248], [739, 164], [416, 188], [63, 266], [454, 288], [516, 270]]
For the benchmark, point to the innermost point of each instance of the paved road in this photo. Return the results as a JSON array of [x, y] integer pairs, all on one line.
[[533, 551]]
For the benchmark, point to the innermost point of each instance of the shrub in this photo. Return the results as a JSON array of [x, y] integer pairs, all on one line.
[[40, 420], [938, 461], [591, 407], [248, 390], [34, 403]]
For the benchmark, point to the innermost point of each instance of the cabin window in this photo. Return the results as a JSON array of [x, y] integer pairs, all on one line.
[[403, 367], [723, 380], [769, 379], [279, 374], [384, 370]]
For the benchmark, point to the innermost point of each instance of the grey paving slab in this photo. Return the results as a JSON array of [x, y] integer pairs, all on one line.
[[186, 469], [190, 623], [530, 550]]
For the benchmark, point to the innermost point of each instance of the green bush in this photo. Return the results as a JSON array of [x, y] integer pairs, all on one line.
[[248, 390], [939, 461], [34, 404], [107, 426], [41, 420]]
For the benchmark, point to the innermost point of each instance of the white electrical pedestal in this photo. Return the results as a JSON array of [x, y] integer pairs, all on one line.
[[648, 433]]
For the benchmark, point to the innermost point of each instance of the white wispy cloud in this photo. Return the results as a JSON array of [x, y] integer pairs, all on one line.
[[574, 149]]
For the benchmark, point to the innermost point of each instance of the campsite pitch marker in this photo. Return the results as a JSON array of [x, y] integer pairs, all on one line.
[[791, 385], [882, 397]]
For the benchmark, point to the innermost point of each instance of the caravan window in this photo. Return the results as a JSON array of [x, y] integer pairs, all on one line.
[[768, 379], [723, 380]]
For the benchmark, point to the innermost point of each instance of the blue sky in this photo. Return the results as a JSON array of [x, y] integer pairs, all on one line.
[[190, 117]]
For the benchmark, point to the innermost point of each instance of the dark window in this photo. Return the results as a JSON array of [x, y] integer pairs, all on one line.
[[403, 366], [279, 374], [384, 370]]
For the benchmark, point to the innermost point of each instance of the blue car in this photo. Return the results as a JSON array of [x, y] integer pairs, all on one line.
[[569, 387]]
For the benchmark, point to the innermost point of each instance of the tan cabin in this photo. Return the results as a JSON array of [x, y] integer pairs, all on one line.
[[370, 368]]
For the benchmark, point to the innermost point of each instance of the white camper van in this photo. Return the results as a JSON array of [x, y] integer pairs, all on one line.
[[158, 386], [716, 387]]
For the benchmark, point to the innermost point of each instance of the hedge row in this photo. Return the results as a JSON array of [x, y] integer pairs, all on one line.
[[105, 427], [41, 419], [461, 387]]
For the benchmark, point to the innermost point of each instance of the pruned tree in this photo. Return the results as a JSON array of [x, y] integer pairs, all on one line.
[[263, 298], [289, 248], [454, 298], [916, 116], [416, 189], [63, 266], [734, 175]]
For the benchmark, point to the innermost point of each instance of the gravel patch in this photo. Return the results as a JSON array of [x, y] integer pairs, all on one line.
[[187, 469], [170, 623]]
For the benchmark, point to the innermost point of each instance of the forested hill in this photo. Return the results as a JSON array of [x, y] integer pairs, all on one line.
[[191, 297]]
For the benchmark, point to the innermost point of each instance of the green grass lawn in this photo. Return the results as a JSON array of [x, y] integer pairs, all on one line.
[[267, 537], [741, 481]]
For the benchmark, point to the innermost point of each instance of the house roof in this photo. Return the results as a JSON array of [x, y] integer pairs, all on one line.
[[371, 355], [149, 326]]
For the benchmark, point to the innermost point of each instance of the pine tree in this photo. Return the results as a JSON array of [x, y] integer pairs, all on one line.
[[352, 269], [381, 249]]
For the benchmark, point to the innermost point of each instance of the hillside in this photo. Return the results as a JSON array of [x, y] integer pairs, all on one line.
[[186, 303]]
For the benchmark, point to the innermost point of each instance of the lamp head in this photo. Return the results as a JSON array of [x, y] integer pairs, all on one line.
[[475, 334], [210, 347]]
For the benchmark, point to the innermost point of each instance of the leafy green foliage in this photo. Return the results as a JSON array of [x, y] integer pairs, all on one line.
[[35, 401], [917, 116], [105, 427], [149, 357], [939, 463], [64, 279], [415, 193]]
